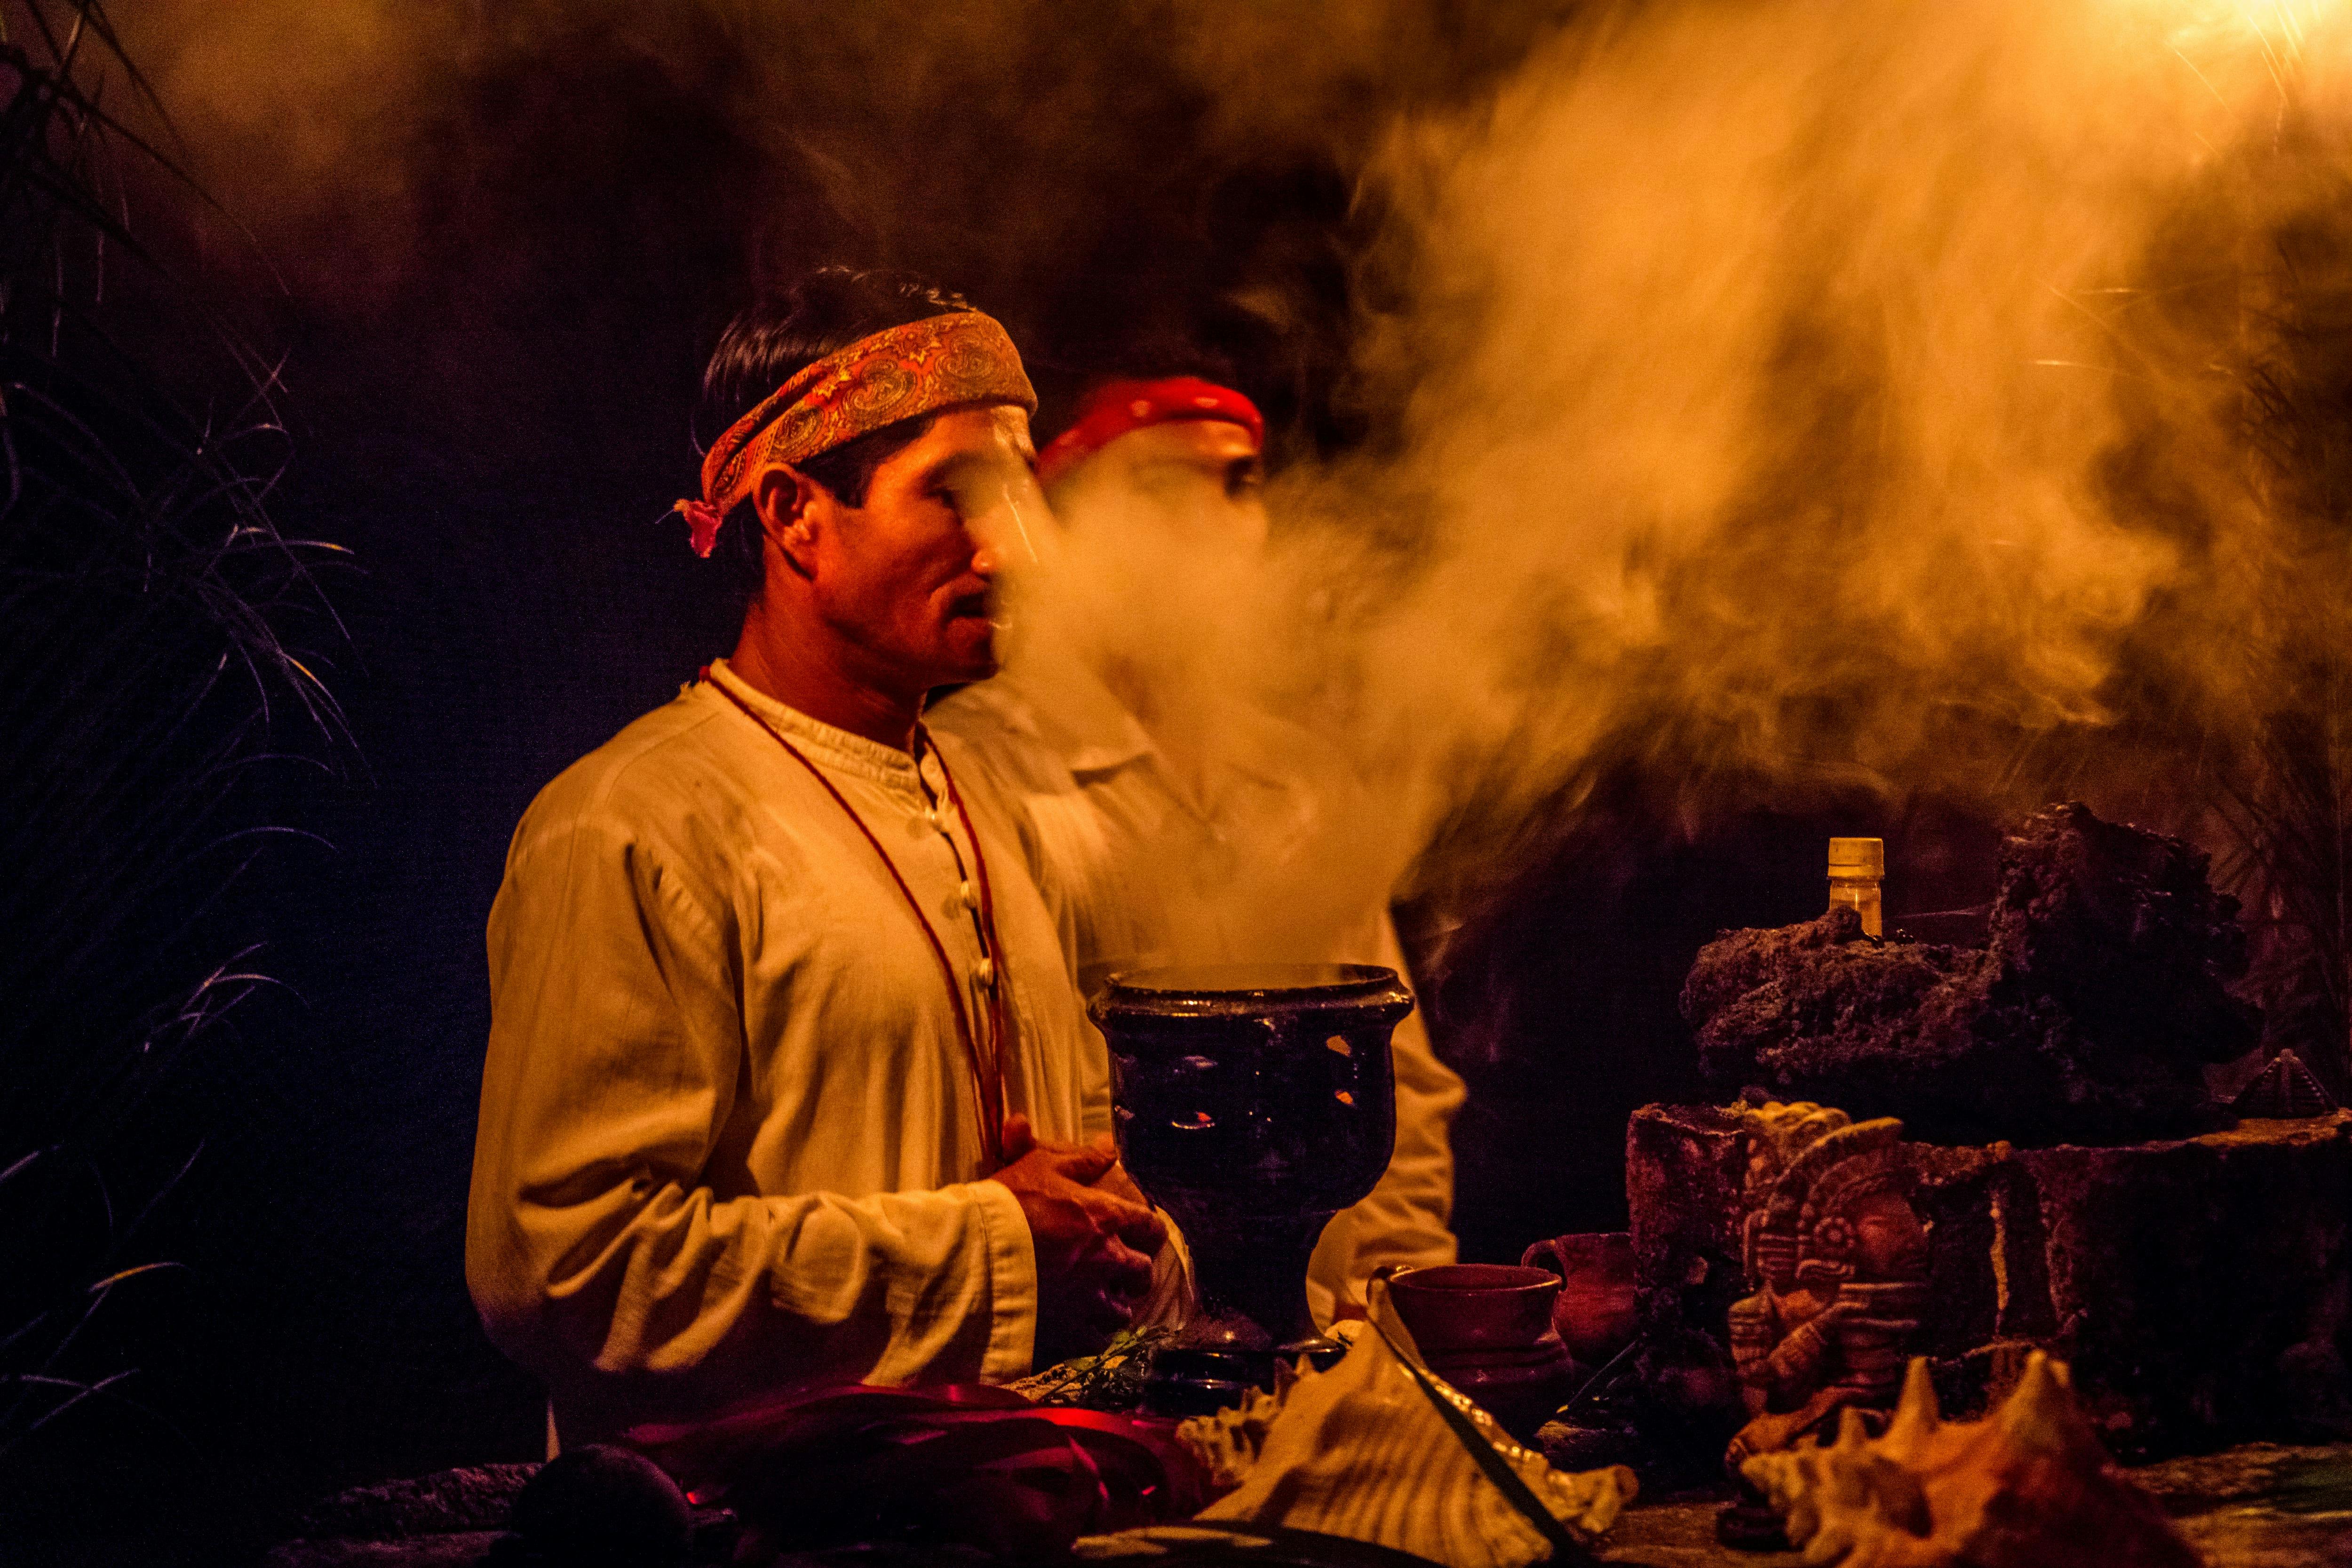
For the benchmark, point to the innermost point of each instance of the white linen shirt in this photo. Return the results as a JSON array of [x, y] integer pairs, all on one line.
[[1138, 872], [729, 1142]]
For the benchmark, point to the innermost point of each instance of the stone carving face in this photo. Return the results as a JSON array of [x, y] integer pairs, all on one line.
[[1889, 1243], [1837, 1260]]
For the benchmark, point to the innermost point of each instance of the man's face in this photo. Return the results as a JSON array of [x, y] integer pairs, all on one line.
[[908, 579], [1199, 478]]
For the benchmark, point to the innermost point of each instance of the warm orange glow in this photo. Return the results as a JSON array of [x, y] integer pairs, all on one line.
[[1775, 383]]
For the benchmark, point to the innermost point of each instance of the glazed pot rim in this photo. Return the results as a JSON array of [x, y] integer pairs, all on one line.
[[1481, 1283], [1168, 982], [1249, 991]]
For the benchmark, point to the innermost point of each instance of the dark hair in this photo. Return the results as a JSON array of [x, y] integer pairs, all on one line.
[[778, 338]]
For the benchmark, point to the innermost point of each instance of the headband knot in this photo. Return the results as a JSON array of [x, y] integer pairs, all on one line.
[[702, 521], [900, 373]]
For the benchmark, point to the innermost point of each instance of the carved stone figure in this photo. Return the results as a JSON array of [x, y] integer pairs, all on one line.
[[1837, 1266], [2098, 1256]]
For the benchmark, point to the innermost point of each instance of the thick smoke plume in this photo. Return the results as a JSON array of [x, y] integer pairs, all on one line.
[[1833, 389], [1892, 395], [1888, 397]]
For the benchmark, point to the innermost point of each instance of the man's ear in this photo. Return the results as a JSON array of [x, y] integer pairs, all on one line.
[[793, 510]]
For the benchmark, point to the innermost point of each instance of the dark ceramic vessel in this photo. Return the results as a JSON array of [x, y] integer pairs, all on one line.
[[1596, 1315], [1253, 1102]]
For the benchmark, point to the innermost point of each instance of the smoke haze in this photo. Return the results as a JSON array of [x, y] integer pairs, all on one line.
[[1772, 394], [1701, 420], [1836, 389], [1787, 398]]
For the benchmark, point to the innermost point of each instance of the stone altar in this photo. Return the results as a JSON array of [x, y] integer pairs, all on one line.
[[2201, 1287]]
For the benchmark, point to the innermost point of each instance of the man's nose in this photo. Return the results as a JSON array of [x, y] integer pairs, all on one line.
[[987, 560]]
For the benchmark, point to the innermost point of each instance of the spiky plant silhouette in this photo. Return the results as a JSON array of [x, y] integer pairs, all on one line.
[[158, 654]]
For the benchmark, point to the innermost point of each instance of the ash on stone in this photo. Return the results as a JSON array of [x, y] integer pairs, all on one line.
[[2088, 1017]]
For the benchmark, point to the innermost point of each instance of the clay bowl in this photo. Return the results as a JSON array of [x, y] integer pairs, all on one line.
[[1474, 1306], [1486, 1328], [1595, 1314]]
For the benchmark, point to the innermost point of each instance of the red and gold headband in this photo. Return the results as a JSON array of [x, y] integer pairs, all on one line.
[[1116, 407], [900, 373]]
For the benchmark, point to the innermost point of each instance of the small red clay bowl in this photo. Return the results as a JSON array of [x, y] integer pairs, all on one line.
[[1474, 1306]]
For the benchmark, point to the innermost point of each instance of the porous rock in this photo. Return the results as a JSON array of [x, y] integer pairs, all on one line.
[[2089, 1015], [472, 1497]]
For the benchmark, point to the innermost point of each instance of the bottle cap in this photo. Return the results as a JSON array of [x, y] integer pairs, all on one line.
[[1857, 856]]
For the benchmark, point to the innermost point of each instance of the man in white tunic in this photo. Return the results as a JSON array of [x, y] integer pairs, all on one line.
[[1166, 820], [787, 1084]]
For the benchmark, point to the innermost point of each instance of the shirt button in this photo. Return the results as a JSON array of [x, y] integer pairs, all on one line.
[[963, 891], [985, 973]]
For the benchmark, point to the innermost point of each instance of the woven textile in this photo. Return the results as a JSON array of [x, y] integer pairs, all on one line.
[[902, 373]]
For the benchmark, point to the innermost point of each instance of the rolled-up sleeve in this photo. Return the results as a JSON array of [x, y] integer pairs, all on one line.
[[597, 1252]]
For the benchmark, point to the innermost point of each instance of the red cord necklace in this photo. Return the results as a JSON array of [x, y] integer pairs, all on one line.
[[987, 1064]]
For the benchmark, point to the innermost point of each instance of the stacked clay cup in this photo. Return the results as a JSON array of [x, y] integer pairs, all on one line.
[[1486, 1329]]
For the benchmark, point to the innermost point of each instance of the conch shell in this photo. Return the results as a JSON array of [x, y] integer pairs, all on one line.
[[2027, 1487], [1380, 1450], [1227, 1444]]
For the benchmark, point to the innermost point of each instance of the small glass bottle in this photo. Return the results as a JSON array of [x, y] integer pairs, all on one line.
[[1857, 868]]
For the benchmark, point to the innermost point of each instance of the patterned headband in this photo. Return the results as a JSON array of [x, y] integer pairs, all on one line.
[[900, 373]]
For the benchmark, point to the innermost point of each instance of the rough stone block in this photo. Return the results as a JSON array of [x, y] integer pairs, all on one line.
[[2200, 1288], [473, 1497]]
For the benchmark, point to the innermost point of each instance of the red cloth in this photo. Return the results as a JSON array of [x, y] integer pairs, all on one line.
[[961, 1463], [901, 373], [1116, 407]]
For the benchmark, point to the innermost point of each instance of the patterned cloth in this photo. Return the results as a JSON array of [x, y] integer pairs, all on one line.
[[902, 373]]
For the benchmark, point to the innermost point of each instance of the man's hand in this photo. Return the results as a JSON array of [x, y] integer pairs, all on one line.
[[1115, 1181], [1094, 1235]]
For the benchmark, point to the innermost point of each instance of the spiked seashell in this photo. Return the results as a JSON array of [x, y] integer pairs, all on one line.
[[1916, 1418], [2283, 1089], [1366, 1451], [2027, 1487]]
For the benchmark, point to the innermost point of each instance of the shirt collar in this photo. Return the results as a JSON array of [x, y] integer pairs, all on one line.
[[1051, 693], [834, 749]]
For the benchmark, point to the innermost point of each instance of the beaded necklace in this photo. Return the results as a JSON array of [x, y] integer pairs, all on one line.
[[987, 1064]]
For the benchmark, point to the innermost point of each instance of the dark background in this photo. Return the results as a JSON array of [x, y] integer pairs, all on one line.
[[488, 373]]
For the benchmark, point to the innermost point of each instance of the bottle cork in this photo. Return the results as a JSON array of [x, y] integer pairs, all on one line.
[[1857, 856]]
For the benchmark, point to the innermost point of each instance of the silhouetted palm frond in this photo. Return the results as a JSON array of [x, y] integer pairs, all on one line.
[[161, 645]]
